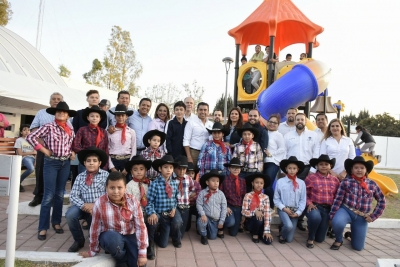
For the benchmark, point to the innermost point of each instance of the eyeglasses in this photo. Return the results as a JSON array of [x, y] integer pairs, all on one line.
[[273, 122]]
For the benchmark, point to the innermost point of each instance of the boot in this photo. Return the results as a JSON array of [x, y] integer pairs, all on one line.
[[151, 254]]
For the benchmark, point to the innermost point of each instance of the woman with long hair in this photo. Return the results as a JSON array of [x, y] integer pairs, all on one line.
[[235, 121], [161, 116]]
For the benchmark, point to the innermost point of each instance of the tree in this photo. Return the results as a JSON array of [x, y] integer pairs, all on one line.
[[363, 114], [5, 12], [382, 125], [168, 94], [221, 104], [196, 92], [119, 68], [64, 71]]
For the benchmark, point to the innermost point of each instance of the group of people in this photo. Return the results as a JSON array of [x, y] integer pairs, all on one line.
[[140, 180]]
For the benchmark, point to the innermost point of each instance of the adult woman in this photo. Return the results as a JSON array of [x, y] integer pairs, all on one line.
[[353, 203], [367, 139], [161, 116], [337, 145], [235, 121], [276, 151]]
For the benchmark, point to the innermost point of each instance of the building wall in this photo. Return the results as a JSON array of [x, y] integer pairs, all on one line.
[[15, 119]]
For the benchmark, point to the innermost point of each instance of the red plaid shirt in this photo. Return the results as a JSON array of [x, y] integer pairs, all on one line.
[[107, 216], [264, 207], [321, 189], [228, 187], [188, 189]]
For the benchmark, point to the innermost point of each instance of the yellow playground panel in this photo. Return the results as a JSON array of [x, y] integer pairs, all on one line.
[[262, 67]]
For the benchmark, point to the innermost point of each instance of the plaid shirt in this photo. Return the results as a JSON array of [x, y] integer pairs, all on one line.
[[157, 198], [228, 187], [352, 194], [107, 216], [253, 160], [264, 208], [211, 157], [188, 188], [147, 154], [321, 189], [82, 193], [55, 139], [215, 208], [193, 196]]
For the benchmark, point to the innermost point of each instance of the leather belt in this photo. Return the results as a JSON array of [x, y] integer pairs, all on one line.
[[182, 206], [119, 157], [166, 213], [245, 169], [325, 206], [60, 158], [195, 149], [359, 213]]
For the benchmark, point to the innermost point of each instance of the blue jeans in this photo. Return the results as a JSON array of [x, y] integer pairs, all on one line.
[[123, 248], [318, 224], [358, 227], [256, 227], [73, 215], [28, 162], [168, 227], [209, 229], [55, 176], [192, 211], [289, 226], [185, 217], [271, 169], [232, 222]]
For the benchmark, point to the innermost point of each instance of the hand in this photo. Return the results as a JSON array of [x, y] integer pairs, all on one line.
[[334, 173], [172, 213], [268, 237], [73, 155], [220, 227], [190, 159], [311, 207], [294, 215], [228, 212], [34, 152], [111, 129], [88, 207], [227, 144], [124, 172], [288, 211], [46, 151], [142, 261], [259, 215], [204, 219], [342, 175], [153, 219], [368, 218], [84, 254]]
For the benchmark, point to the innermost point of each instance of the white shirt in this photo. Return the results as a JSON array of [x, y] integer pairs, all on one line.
[[196, 133], [320, 134], [284, 128], [340, 151], [276, 147], [304, 146], [188, 118]]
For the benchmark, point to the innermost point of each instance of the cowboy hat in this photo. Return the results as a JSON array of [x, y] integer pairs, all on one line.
[[191, 167], [217, 127], [349, 163], [250, 178], [87, 111], [284, 163], [325, 158], [139, 159], [61, 106], [82, 155], [208, 175], [247, 127], [182, 161], [121, 109], [235, 162], [105, 102], [150, 135], [167, 159]]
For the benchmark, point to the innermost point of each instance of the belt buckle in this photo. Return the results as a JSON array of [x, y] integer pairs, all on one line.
[[166, 213]]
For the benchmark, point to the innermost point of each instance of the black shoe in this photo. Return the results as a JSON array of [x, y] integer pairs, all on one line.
[[177, 244], [255, 240], [347, 235], [281, 240], [77, 245], [221, 235], [204, 240], [59, 230], [36, 201], [300, 226], [334, 247], [241, 230], [309, 245], [85, 227], [151, 255], [41, 237], [21, 188]]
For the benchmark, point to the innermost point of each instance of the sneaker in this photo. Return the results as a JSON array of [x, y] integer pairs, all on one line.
[[204, 240]]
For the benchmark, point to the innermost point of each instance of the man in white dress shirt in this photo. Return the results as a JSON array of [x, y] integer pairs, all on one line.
[[196, 133], [189, 102], [289, 124], [322, 124]]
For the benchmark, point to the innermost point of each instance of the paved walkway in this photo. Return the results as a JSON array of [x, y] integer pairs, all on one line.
[[230, 251]]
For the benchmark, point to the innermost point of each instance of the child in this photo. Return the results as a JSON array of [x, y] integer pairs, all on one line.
[[256, 209], [124, 238], [161, 206], [57, 139], [121, 143], [153, 141], [92, 134], [24, 149], [191, 171], [321, 189], [234, 189], [290, 198], [211, 206], [215, 153], [353, 203], [88, 187], [175, 129]]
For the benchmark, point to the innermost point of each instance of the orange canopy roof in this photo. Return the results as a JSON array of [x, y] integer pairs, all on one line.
[[279, 18]]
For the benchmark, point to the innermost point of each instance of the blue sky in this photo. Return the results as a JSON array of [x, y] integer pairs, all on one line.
[[180, 41]]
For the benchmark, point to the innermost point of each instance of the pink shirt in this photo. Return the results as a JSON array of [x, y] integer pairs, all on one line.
[[116, 148], [6, 124]]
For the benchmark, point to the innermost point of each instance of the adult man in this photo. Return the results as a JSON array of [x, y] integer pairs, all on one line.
[[141, 121], [3, 124], [289, 124], [322, 124], [196, 133], [92, 97], [42, 118], [258, 56], [189, 102], [218, 116], [262, 138], [124, 98], [105, 104]]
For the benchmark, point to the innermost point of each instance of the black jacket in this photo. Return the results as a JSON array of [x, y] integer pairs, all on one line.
[[174, 141], [78, 122]]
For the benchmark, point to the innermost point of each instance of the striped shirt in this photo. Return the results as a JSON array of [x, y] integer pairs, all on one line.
[[116, 148], [321, 189], [211, 157], [253, 160], [157, 198], [149, 155], [188, 188], [216, 206], [81, 193], [42, 118], [263, 207], [107, 216]]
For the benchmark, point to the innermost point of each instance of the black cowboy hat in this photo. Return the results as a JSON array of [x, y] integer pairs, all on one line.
[[105, 102], [250, 178], [348, 164], [167, 159], [235, 162], [121, 109], [284, 163], [208, 175], [96, 109], [325, 158], [182, 161], [191, 167], [152, 133], [247, 127], [93, 150], [139, 159], [62, 106], [217, 127]]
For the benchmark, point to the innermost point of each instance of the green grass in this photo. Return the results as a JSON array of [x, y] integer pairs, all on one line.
[[392, 201], [23, 263]]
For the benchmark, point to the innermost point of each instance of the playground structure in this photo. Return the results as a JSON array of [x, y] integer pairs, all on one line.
[[278, 24]]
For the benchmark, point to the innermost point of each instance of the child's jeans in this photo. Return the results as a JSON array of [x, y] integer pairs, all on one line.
[[289, 225], [28, 162], [168, 227], [210, 228]]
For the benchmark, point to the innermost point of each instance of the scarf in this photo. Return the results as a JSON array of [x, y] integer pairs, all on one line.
[[237, 184], [248, 145], [362, 182], [168, 189], [209, 194], [99, 136], [255, 202], [295, 184], [221, 144], [64, 126], [180, 188], [123, 135], [154, 152], [125, 212], [143, 196], [89, 177]]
